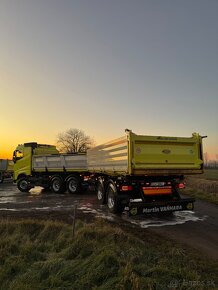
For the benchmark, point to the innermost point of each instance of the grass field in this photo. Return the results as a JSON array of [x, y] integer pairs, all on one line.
[[204, 186], [209, 174], [44, 255]]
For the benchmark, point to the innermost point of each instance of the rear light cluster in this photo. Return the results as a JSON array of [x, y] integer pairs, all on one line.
[[180, 185], [150, 186], [126, 187]]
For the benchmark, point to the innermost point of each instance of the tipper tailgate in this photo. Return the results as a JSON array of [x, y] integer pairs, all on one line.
[[165, 154]]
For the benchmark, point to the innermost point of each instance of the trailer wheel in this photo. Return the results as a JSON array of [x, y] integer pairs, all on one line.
[[101, 197], [23, 185], [57, 184], [113, 202], [73, 185]]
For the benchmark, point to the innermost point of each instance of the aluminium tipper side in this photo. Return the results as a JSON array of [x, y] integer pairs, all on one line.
[[63, 162], [109, 157]]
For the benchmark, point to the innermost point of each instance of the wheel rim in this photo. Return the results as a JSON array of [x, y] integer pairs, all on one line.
[[99, 194], [72, 186], [23, 184], [110, 201], [56, 185]]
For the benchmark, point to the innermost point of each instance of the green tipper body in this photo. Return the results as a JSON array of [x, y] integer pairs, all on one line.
[[148, 155]]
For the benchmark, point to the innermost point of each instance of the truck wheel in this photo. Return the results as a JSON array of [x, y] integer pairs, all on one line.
[[113, 202], [57, 184], [101, 193], [23, 185], [73, 185]]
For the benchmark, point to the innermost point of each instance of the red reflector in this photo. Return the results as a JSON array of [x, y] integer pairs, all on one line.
[[157, 190], [180, 185], [126, 187]]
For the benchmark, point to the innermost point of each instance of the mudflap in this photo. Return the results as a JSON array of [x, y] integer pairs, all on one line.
[[140, 207]]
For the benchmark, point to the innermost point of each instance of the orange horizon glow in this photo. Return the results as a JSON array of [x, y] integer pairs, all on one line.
[[6, 155]]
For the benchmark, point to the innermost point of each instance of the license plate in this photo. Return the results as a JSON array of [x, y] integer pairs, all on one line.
[[157, 183]]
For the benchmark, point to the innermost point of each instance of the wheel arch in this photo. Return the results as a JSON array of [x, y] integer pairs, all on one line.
[[21, 175], [74, 174], [56, 175]]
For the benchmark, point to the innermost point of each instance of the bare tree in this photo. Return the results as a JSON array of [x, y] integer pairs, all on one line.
[[74, 141]]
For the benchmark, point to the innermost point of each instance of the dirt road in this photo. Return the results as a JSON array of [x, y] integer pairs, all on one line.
[[198, 228]]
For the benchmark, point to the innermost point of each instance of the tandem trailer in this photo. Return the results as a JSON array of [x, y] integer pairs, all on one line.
[[145, 173]]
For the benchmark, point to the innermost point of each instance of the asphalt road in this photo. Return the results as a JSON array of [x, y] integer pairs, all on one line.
[[198, 228]]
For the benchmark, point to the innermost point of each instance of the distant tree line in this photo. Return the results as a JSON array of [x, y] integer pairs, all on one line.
[[210, 163]]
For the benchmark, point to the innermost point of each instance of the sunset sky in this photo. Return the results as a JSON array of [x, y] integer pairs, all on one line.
[[103, 66]]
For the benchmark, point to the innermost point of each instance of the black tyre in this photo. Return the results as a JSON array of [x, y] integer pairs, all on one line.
[[57, 185], [113, 202], [23, 184], [101, 196], [73, 185]]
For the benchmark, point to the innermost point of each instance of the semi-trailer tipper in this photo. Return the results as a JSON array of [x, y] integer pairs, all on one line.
[[139, 172], [145, 173]]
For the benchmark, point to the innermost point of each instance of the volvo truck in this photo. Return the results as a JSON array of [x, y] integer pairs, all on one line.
[[42, 165]]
